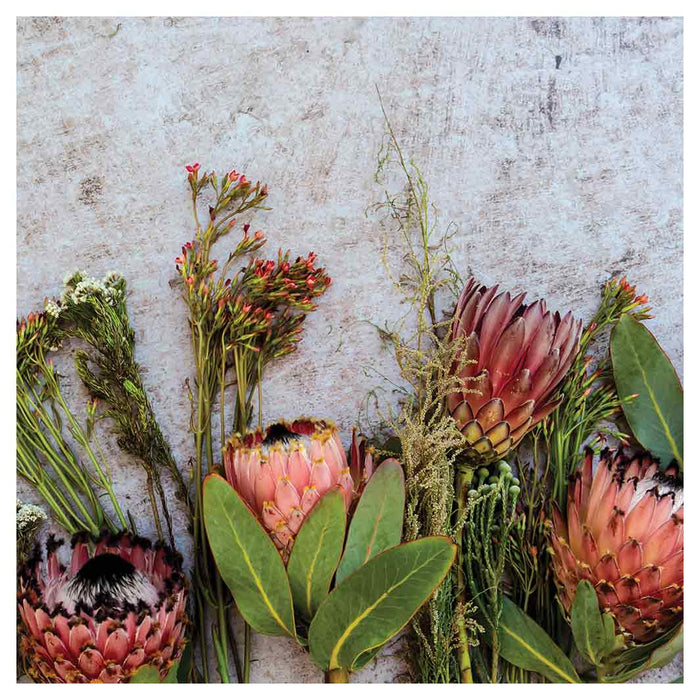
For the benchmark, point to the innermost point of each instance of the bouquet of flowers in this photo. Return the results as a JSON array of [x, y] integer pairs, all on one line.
[[519, 514]]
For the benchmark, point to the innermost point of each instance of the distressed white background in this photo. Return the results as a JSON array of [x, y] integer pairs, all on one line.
[[555, 146]]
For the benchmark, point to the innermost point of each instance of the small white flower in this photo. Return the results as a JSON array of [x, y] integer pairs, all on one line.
[[53, 309], [113, 277]]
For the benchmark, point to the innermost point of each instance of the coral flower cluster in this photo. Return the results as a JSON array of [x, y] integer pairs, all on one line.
[[513, 360], [282, 472], [624, 534], [119, 605]]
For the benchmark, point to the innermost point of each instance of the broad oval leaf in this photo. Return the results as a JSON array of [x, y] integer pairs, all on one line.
[[146, 674], [590, 634], [173, 674], [248, 561], [316, 552], [149, 674], [642, 368], [642, 657], [526, 645], [373, 604], [378, 520]]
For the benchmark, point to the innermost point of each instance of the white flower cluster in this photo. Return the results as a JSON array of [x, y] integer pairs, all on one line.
[[29, 517], [53, 309], [80, 287]]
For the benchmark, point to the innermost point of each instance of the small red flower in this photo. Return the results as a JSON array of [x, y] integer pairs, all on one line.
[[259, 235]]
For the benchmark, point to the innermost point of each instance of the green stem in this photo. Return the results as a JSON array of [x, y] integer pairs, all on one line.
[[337, 675], [246, 653], [464, 480]]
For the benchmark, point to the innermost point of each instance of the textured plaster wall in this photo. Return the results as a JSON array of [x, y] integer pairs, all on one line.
[[554, 145]]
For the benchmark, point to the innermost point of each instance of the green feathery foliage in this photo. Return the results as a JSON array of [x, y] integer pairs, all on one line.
[[95, 312]]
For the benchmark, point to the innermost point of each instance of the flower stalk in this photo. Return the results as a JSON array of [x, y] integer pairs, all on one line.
[[72, 487], [239, 322]]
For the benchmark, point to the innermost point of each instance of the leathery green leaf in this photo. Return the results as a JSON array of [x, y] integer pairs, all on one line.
[[373, 604], [632, 661], [316, 552], [526, 645], [642, 369], [589, 632], [378, 520], [146, 674], [248, 561]]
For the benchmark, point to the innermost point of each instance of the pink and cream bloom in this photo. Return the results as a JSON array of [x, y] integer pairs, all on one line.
[[282, 473], [623, 532], [120, 604], [513, 360]]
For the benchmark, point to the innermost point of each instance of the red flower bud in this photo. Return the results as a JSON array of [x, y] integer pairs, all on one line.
[[190, 280], [246, 228], [258, 235], [310, 282]]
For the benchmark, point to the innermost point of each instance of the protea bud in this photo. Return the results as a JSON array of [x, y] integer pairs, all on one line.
[[624, 533], [513, 360], [118, 606], [283, 472]]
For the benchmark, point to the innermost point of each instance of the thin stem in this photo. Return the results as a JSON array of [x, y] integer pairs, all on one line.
[[464, 480]]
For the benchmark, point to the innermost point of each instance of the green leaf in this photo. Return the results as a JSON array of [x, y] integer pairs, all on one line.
[[173, 674], [642, 657], [373, 604], [641, 367], [590, 633], [678, 680], [146, 674], [316, 553], [248, 561], [667, 652], [526, 645], [378, 520], [185, 665]]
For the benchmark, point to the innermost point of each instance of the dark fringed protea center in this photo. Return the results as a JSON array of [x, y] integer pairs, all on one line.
[[513, 360], [119, 605], [624, 533]]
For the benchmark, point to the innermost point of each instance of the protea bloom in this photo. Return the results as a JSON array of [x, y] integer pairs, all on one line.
[[624, 533], [283, 472], [513, 360], [119, 605]]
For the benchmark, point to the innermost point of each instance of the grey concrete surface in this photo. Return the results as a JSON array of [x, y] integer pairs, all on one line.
[[554, 145]]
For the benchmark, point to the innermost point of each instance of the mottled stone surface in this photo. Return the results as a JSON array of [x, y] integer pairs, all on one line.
[[554, 145]]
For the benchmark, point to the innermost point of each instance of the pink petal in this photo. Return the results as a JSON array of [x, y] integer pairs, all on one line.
[[321, 476], [286, 496]]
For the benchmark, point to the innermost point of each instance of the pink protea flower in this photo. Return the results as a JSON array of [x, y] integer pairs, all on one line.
[[624, 533], [514, 359], [118, 606], [282, 473]]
